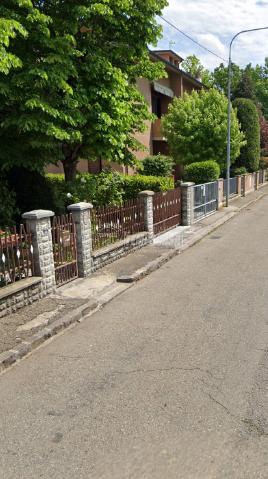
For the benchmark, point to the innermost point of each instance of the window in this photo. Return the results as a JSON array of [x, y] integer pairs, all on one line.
[[157, 106]]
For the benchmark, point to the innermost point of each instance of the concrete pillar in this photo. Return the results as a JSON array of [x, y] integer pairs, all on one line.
[[82, 220], [187, 200], [148, 212], [39, 224], [239, 185], [220, 201], [243, 185]]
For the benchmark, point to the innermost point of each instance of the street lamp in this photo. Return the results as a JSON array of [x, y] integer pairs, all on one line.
[[228, 162]]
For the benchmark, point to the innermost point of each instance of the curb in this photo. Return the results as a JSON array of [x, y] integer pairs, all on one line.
[[124, 282]]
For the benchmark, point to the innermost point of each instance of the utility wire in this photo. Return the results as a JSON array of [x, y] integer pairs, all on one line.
[[192, 39]]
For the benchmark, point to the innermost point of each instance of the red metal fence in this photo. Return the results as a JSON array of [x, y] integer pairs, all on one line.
[[167, 210], [114, 223], [64, 248], [16, 255]]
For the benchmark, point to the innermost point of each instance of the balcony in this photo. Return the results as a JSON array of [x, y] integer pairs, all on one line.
[[157, 131]]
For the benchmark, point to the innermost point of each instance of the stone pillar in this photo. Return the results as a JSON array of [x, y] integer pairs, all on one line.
[[187, 200], [239, 185], [148, 212], [38, 223], [257, 180], [243, 185], [81, 216], [220, 201]]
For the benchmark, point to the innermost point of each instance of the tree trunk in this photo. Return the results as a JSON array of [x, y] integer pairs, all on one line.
[[69, 167]]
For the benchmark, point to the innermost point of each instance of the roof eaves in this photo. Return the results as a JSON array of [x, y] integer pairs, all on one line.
[[187, 75]]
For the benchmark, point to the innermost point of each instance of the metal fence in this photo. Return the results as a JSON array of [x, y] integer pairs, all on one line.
[[16, 255], [64, 248], [167, 210], [115, 223], [261, 177], [232, 187], [205, 199]]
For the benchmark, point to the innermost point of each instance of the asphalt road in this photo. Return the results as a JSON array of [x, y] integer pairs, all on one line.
[[169, 381]]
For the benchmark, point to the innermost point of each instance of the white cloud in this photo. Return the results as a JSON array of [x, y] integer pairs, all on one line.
[[213, 23]]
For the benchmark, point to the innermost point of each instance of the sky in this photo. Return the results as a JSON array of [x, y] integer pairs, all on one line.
[[213, 23]]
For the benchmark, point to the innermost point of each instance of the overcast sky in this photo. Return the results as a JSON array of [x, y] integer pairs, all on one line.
[[213, 23]]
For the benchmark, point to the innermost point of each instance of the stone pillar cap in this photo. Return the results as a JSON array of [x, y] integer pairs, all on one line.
[[37, 214], [80, 206], [146, 193], [185, 184]]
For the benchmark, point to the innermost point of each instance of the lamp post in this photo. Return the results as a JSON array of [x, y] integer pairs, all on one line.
[[228, 162]]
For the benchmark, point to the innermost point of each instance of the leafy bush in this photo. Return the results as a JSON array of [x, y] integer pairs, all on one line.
[[202, 172], [239, 171], [105, 188], [31, 189], [158, 165], [134, 184], [249, 119]]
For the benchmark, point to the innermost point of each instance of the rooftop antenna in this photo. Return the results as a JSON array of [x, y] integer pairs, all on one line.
[[171, 44]]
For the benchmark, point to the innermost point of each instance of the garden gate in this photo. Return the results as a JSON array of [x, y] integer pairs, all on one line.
[[64, 248], [167, 210], [205, 200]]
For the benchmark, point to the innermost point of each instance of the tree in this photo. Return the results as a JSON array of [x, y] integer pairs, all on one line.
[[249, 119], [194, 67], [75, 94], [196, 128], [246, 86], [220, 77], [264, 134]]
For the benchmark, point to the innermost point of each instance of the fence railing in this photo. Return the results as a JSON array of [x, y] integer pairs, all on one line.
[[261, 176], [16, 255], [205, 199], [232, 187], [115, 223], [64, 248], [167, 210]]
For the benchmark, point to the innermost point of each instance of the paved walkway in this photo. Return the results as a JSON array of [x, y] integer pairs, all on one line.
[[22, 325], [169, 380]]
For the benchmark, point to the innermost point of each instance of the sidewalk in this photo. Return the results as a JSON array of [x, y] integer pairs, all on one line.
[[24, 330]]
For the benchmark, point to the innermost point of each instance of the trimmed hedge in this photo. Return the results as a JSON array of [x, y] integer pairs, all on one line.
[[157, 165], [102, 189], [202, 172], [249, 119]]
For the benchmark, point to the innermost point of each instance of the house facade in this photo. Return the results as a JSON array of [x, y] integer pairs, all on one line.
[[158, 94]]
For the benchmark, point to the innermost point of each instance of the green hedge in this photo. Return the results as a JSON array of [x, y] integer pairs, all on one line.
[[157, 165], [102, 189], [202, 172], [248, 117]]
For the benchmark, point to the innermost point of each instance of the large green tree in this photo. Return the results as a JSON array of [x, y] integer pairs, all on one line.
[[193, 65], [249, 120], [196, 128], [74, 93]]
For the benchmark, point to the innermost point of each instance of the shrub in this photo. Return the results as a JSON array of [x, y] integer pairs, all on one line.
[[239, 171], [202, 172], [158, 165], [249, 119], [105, 188], [134, 184]]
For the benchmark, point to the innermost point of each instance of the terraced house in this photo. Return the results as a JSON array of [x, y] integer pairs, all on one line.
[[158, 95]]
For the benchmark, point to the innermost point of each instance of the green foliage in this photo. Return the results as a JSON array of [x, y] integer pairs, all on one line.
[[194, 67], [246, 86], [220, 77], [74, 92], [32, 191], [202, 172], [7, 205], [249, 119], [107, 188], [196, 128], [239, 171], [157, 165], [134, 184]]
